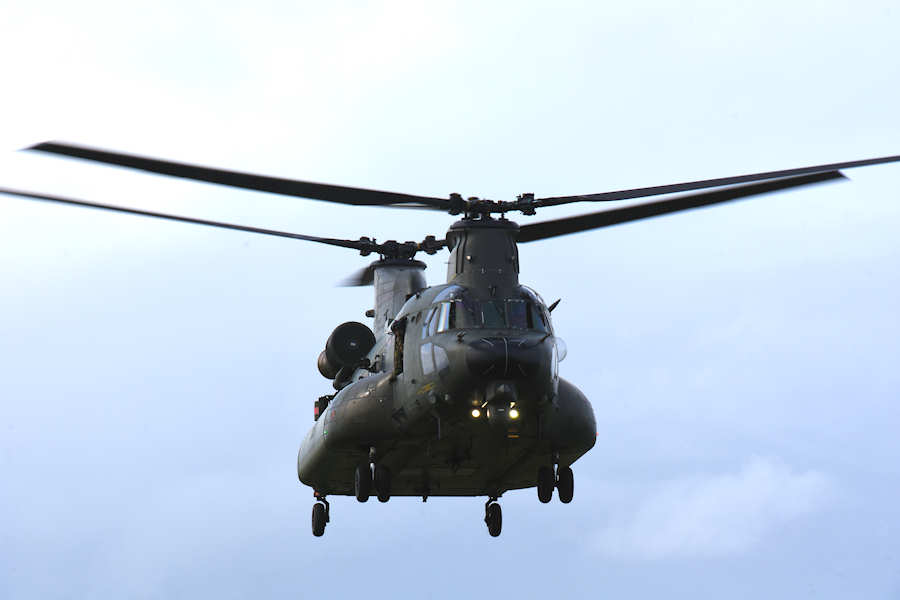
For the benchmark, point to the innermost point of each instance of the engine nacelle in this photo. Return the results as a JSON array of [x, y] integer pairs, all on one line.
[[348, 343]]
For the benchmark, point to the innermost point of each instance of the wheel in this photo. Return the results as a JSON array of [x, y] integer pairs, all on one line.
[[362, 482], [565, 484], [546, 481], [318, 519], [494, 519], [382, 483]]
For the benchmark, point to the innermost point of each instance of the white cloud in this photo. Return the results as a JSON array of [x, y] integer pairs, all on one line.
[[714, 515]]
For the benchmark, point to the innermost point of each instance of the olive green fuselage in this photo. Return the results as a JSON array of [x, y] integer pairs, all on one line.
[[460, 396]]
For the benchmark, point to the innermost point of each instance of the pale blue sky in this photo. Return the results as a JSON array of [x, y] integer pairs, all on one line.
[[156, 378]]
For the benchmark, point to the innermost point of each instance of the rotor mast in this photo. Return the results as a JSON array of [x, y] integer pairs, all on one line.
[[483, 254]]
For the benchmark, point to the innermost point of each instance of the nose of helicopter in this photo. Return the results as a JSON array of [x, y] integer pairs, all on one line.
[[507, 357]]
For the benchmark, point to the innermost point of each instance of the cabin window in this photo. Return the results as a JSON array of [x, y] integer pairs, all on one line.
[[517, 314], [492, 314], [513, 313]]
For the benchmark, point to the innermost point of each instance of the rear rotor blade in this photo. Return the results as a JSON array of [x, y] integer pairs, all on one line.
[[549, 229], [708, 183], [249, 181], [355, 244], [362, 277]]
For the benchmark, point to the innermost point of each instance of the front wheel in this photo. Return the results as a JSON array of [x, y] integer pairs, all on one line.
[[494, 519], [318, 519]]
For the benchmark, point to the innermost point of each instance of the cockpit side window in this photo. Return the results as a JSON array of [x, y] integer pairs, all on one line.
[[443, 319], [428, 322], [467, 313], [537, 319], [447, 316]]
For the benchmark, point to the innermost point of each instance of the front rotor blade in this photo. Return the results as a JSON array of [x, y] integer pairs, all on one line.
[[607, 218], [249, 181], [708, 183], [355, 244]]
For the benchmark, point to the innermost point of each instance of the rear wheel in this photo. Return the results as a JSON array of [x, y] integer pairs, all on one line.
[[565, 484], [382, 483], [362, 482], [318, 519], [546, 481]]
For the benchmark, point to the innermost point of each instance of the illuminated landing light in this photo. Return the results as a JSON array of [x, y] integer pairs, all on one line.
[[513, 413], [476, 413]]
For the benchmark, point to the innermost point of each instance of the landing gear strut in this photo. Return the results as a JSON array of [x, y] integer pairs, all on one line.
[[493, 517], [320, 516]]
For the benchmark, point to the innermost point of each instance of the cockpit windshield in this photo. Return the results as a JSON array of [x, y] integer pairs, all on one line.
[[457, 309]]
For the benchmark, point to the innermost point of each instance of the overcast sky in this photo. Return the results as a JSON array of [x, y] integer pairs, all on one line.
[[156, 378]]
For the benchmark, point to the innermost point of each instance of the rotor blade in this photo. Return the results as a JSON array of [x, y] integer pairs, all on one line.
[[708, 183], [355, 244], [249, 181], [417, 206], [548, 229], [362, 277]]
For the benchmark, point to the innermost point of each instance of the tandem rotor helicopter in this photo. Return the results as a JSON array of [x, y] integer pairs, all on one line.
[[455, 389]]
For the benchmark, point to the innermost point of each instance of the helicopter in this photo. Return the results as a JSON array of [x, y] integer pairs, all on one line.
[[455, 389]]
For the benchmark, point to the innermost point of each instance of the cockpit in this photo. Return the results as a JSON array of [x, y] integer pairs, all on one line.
[[456, 308]]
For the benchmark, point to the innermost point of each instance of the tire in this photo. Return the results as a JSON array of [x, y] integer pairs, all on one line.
[[382, 483], [565, 484], [546, 481], [362, 482], [494, 519], [318, 519]]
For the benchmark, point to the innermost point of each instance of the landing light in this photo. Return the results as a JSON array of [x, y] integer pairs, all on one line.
[[513, 413], [476, 413]]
